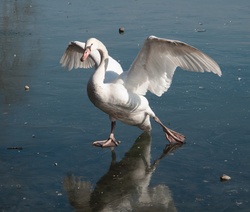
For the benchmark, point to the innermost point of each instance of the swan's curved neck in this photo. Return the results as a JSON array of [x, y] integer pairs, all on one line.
[[99, 74]]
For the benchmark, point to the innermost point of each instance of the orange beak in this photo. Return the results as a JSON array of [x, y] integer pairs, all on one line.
[[85, 54]]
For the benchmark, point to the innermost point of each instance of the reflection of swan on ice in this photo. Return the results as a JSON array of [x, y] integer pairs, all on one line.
[[125, 187]]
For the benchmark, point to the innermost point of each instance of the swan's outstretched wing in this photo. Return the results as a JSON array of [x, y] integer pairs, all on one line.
[[154, 66], [73, 53]]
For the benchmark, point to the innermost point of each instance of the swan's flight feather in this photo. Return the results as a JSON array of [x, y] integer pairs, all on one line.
[[73, 53], [155, 64]]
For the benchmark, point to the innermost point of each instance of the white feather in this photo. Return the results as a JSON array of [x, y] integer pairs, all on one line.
[[154, 66], [73, 53]]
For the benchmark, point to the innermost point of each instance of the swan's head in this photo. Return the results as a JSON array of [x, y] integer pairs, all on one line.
[[91, 44]]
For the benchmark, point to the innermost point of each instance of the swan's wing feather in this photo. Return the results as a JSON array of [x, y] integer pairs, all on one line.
[[114, 70], [114, 65], [155, 64], [73, 53]]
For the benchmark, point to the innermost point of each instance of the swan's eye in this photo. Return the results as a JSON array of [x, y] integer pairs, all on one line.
[[90, 46]]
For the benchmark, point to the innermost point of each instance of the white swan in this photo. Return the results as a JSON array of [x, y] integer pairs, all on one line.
[[122, 97]]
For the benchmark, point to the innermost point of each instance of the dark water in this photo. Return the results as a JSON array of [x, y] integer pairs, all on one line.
[[55, 168]]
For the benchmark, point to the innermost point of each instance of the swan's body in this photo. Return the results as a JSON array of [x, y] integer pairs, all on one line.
[[122, 95]]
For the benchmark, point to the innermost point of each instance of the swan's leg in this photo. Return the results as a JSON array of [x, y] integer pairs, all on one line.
[[171, 135], [111, 141]]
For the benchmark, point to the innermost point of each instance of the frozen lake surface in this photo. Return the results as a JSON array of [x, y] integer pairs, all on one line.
[[47, 160]]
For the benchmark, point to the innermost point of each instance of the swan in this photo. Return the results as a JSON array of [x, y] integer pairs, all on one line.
[[122, 95]]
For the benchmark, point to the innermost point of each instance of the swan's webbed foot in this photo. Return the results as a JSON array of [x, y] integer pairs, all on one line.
[[173, 136], [111, 142]]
